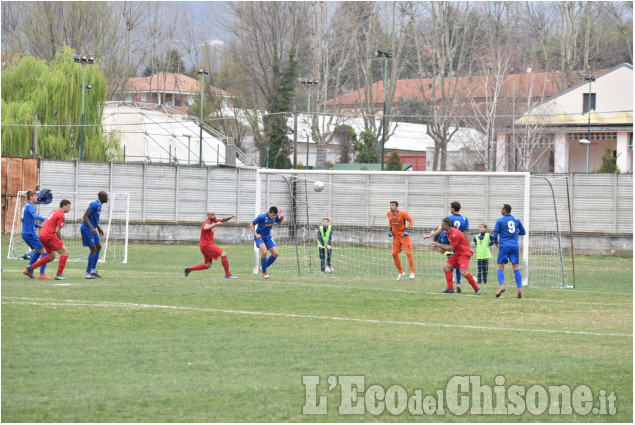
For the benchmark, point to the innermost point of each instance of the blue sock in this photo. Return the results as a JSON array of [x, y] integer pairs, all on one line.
[[458, 276], [263, 264], [90, 263], [95, 260], [270, 260], [43, 268], [501, 277], [34, 258], [519, 279]]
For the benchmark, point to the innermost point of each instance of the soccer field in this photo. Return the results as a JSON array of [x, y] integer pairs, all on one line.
[[146, 344]]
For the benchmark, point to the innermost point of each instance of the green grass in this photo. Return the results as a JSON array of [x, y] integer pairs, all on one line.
[[144, 344]]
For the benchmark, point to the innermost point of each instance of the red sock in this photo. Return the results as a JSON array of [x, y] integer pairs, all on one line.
[[225, 262], [41, 262], [199, 267], [471, 281], [60, 267], [448, 279]]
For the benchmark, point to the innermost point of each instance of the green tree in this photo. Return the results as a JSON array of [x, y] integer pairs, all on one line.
[[394, 162], [54, 92], [276, 143], [609, 162], [346, 137], [365, 148]]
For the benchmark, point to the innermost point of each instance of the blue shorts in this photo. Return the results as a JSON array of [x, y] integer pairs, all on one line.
[[88, 239], [508, 254], [268, 241], [33, 241]]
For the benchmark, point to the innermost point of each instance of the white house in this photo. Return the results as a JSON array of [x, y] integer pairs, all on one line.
[[561, 121]]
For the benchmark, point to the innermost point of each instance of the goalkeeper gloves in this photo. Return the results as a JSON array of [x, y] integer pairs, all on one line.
[[406, 233], [390, 233]]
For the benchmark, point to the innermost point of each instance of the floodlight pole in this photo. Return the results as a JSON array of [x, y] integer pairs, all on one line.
[[201, 72], [383, 116], [309, 82], [589, 78], [386, 56], [83, 119]]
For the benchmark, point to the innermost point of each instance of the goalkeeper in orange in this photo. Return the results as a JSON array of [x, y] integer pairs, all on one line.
[[400, 233]]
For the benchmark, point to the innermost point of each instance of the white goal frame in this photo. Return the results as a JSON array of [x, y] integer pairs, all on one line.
[[17, 246], [327, 176]]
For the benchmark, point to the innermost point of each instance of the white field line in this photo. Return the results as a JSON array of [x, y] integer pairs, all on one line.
[[44, 302], [468, 291]]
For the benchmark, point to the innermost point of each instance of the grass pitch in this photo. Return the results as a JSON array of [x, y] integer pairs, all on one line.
[[146, 344]]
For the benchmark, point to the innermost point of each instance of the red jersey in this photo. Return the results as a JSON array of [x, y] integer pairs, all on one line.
[[54, 220], [457, 240], [398, 222], [207, 236]]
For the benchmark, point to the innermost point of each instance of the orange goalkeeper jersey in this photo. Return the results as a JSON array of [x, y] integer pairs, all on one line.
[[398, 222]]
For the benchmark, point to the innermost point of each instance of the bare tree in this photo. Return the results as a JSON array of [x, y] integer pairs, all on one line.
[[446, 37]]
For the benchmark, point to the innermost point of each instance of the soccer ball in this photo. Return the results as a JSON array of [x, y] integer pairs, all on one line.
[[318, 186]]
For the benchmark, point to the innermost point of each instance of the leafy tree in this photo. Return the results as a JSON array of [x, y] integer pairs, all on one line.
[[346, 138], [394, 162], [54, 92], [276, 143], [609, 162], [365, 148]]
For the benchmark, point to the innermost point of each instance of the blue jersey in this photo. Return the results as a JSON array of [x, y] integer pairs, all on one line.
[[507, 230], [459, 222], [264, 224], [95, 212], [29, 215]]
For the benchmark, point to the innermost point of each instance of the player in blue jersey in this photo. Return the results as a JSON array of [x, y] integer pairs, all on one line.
[[29, 215], [261, 228], [506, 232], [91, 232], [459, 222]]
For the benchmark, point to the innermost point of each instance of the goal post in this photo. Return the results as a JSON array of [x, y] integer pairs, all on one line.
[[357, 202], [114, 241]]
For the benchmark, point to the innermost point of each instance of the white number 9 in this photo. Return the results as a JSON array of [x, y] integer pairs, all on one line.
[[511, 227]]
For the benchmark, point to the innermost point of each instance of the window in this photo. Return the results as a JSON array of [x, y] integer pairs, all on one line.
[[630, 142], [585, 102]]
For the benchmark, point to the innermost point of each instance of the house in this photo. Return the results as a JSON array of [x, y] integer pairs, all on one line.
[[410, 140], [560, 122], [515, 86], [177, 91]]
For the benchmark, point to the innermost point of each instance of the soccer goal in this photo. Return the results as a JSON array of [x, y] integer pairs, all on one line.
[[357, 202], [114, 222]]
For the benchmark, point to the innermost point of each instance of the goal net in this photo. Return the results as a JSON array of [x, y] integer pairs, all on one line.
[[113, 221], [357, 202]]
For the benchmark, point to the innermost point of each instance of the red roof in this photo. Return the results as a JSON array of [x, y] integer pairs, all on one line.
[[168, 82], [519, 85]]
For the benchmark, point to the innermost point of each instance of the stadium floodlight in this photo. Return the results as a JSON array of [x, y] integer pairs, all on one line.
[[385, 55], [588, 145], [202, 72], [309, 82], [590, 78], [83, 60]]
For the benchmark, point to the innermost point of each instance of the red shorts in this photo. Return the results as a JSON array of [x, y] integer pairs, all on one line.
[[51, 245], [210, 252], [462, 262]]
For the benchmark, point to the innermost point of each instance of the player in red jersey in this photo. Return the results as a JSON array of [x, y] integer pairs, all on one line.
[[460, 259], [208, 249], [401, 238], [51, 239]]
